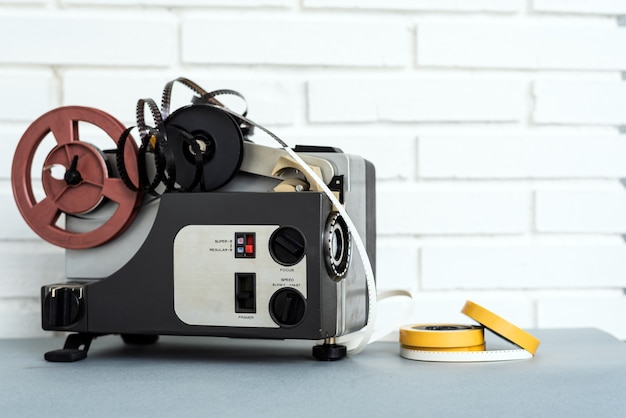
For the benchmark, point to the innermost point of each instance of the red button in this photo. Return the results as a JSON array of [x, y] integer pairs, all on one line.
[[249, 249]]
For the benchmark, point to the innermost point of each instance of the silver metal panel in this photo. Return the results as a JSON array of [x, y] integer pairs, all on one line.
[[204, 275]]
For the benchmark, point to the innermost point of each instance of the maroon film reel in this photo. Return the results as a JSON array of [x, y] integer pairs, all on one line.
[[75, 178]]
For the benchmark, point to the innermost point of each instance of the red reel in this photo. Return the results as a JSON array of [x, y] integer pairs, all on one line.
[[84, 180]]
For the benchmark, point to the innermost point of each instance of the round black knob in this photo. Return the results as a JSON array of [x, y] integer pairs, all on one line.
[[287, 307], [62, 307], [287, 246]]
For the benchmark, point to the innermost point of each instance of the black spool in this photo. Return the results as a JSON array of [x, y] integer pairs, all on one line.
[[219, 137]]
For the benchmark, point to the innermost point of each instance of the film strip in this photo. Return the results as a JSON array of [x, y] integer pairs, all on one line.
[[465, 343]]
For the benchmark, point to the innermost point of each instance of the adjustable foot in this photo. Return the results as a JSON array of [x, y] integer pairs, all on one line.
[[75, 349], [139, 339], [329, 351]]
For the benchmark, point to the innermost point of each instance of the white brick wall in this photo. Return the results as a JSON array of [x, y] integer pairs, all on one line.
[[522, 156], [106, 38], [182, 3], [524, 267], [402, 99], [493, 124], [421, 5], [451, 210], [608, 7], [588, 211], [605, 311], [579, 102], [289, 41], [520, 45], [31, 93]]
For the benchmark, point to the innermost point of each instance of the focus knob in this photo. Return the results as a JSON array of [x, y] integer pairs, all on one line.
[[287, 246]]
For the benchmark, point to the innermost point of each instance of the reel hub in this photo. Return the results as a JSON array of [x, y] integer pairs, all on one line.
[[79, 189]]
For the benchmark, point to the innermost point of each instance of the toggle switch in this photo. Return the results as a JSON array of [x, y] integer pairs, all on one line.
[[245, 245]]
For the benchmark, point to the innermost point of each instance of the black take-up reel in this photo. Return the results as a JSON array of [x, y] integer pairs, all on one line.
[[219, 146]]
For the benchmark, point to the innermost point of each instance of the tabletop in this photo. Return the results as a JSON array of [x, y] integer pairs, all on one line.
[[576, 372]]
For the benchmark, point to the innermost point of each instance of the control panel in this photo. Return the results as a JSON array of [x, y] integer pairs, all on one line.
[[240, 275]]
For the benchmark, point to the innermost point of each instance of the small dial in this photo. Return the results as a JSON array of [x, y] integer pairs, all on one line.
[[287, 307]]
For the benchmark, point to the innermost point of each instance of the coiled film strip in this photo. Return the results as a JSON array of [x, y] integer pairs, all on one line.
[[465, 343]]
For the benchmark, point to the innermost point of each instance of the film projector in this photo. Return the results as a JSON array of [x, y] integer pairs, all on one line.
[[193, 229]]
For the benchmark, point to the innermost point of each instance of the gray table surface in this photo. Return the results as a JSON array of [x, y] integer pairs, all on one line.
[[579, 372]]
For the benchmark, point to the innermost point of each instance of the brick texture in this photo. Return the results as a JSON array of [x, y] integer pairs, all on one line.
[[604, 312], [515, 156], [507, 45], [523, 267], [10, 138], [421, 5], [13, 226], [397, 100], [579, 102], [609, 7], [68, 38], [585, 211], [458, 211], [181, 3], [23, 280], [292, 42], [26, 94]]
